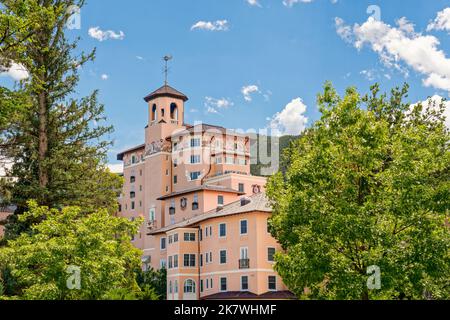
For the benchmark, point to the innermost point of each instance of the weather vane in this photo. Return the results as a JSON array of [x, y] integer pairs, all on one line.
[[166, 68]]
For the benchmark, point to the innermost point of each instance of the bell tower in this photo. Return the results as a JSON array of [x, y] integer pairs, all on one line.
[[165, 116]]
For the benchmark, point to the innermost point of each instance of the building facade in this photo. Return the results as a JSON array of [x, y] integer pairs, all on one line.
[[205, 214]]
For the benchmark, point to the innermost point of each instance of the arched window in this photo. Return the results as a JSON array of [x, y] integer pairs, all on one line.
[[173, 111], [162, 113], [154, 113], [189, 286]]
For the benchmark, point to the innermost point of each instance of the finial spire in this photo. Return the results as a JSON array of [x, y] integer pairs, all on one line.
[[166, 69]]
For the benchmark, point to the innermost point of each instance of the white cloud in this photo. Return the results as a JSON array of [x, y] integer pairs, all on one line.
[[434, 103], [253, 3], [290, 3], [291, 120], [17, 72], [140, 58], [115, 168], [101, 35], [212, 104], [441, 22], [370, 74], [219, 25], [400, 46], [344, 31], [247, 91], [105, 77]]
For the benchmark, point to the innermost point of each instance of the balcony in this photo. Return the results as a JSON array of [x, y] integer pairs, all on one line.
[[244, 263], [152, 225]]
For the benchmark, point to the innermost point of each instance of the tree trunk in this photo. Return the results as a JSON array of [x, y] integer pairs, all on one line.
[[43, 140]]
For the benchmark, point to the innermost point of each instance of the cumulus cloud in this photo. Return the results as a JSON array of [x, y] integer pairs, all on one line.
[[104, 77], [218, 25], [116, 168], [344, 31], [253, 3], [101, 35], [401, 48], [291, 120], [441, 22], [213, 105], [16, 71], [290, 3], [369, 74], [247, 91]]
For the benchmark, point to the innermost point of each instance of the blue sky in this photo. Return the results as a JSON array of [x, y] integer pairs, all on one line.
[[281, 51]]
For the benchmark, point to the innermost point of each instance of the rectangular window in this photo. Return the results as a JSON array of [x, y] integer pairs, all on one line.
[[242, 161], [241, 187], [175, 261], [170, 239], [201, 260], [201, 285], [195, 159], [229, 160], [175, 237], [163, 243], [219, 160], [195, 175], [132, 205], [220, 200], [162, 263], [223, 256], [244, 283], [244, 227], [170, 262], [175, 146], [175, 179], [175, 163], [272, 280], [189, 237], [195, 142], [222, 230], [206, 232], [270, 254], [152, 214], [223, 284], [189, 260]]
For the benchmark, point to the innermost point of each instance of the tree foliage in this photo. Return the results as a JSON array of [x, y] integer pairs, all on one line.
[[368, 184], [36, 264]]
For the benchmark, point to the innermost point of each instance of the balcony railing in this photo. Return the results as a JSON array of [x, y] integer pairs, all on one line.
[[152, 225], [244, 263]]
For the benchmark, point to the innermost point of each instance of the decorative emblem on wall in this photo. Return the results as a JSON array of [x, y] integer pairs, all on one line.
[[183, 203], [256, 189], [158, 146]]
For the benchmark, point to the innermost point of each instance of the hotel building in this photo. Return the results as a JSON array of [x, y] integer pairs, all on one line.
[[205, 214]]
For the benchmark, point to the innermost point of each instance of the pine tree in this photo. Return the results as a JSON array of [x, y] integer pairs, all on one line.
[[56, 142]]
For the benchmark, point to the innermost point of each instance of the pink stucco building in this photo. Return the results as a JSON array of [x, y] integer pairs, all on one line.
[[205, 214]]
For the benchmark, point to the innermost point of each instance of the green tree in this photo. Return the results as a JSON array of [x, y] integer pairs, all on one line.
[[153, 281], [368, 184], [57, 143], [98, 244]]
